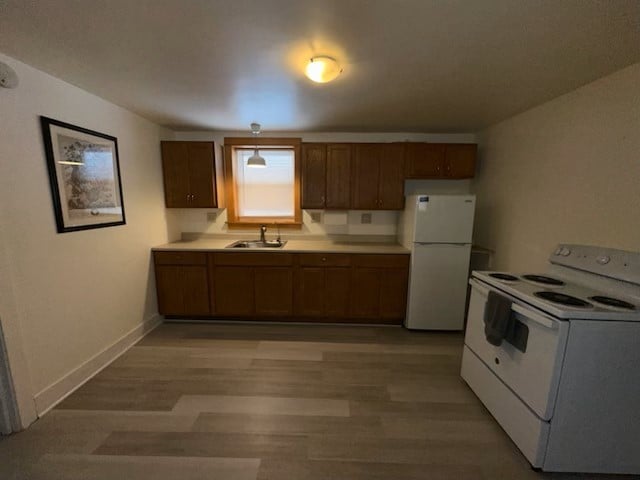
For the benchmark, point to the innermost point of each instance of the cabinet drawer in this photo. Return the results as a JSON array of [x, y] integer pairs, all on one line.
[[325, 259], [380, 261], [257, 259], [180, 258]]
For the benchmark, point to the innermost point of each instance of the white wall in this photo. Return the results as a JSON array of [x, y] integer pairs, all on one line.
[[566, 171], [66, 297], [382, 222]]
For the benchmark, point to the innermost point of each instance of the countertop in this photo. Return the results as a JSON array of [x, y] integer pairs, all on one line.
[[292, 246]]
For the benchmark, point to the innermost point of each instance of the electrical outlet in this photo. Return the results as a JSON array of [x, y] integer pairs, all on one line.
[[365, 218], [316, 217], [212, 216]]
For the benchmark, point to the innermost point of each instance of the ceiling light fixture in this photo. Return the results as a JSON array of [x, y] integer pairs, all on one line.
[[69, 162], [323, 69], [255, 160]]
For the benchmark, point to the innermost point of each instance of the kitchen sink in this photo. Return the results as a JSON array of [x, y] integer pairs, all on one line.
[[257, 244]]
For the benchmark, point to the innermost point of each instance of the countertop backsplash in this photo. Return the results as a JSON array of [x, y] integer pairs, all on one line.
[[317, 224]]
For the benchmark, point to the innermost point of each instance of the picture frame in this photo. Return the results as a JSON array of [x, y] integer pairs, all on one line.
[[84, 174]]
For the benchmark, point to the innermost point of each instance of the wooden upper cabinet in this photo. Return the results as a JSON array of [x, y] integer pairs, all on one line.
[[338, 189], [314, 175], [460, 160], [378, 176], [175, 169], [424, 160], [190, 174], [202, 176], [440, 160], [370, 176], [366, 175], [391, 183]]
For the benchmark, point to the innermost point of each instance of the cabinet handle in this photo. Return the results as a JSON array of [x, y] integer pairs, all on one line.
[[322, 199], [193, 197], [324, 259], [188, 198]]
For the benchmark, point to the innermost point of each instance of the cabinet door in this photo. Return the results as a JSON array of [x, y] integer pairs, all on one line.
[[366, 175], [175, 168], [365, 290], [168, 289], [391, 183], [310, 291], [393, 293], [314, 182], [202, 186], [182, 290], [338, 189], [273, 291], [460, 160], [425, 160], [195, 291], [336, 291], [232, 291]]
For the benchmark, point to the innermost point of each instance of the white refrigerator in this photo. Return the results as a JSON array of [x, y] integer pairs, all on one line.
[[438, 230]]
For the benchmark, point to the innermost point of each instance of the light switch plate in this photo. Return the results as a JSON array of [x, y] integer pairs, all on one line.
[[212, 216], [365, 218]]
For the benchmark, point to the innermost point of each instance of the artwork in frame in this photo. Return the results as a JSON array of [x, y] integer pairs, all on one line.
[[85, 176]]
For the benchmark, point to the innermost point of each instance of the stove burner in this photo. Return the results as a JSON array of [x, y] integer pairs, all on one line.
[[612, 302], [504, 276], [562, 299], [543, 279]]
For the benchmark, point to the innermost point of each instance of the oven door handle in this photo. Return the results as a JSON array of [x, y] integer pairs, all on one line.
[[534, 316], [525, 312]]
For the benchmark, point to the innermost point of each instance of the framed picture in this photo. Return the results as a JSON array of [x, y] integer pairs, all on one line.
[[85, 176]]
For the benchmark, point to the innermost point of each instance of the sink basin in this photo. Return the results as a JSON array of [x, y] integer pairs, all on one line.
[[257, 244]]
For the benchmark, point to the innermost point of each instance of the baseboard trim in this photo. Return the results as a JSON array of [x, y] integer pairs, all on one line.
[[49, 397]]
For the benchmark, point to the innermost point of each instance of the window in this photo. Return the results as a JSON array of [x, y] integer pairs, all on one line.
[[263, 195]]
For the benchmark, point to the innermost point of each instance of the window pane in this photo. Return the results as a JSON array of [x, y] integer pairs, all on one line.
[[265, 192]]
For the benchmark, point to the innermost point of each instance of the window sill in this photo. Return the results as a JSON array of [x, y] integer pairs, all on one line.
[[244, 223]]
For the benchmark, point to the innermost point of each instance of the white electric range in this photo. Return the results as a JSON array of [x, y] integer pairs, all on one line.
[[563, 378]]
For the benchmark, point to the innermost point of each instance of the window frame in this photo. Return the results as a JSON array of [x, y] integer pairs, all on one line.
[[230, 146]]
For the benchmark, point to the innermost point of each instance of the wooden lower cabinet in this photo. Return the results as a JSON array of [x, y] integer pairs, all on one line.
[[336, 292], [379, 286], [393, 293], [232, 290], [182, 284], [317, 286], [365, 292], [251, 284], [322, 291], [273, 291]]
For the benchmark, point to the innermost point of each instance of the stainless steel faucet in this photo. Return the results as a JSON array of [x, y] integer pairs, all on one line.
[[263, 231]]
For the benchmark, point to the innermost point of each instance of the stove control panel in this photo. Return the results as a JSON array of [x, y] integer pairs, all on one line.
[[618, 264]]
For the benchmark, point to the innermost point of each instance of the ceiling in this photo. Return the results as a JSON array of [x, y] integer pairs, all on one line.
[[409, 65]]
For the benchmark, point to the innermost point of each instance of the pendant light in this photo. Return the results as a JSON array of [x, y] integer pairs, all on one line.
[[255, 160]]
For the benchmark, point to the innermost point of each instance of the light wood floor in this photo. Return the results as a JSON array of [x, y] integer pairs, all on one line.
[[247, 402]]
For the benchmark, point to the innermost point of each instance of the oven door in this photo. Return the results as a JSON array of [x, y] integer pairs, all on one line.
[[529, 361]]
